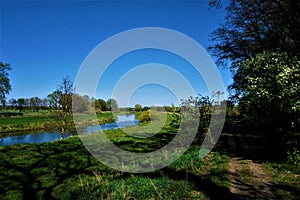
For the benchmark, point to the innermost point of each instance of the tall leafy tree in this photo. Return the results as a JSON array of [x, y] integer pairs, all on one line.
[[5, 86], [256, 26], [261, 41], [267, 88]]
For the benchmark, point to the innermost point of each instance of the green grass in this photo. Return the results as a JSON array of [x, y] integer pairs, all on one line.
[[28, 122], [66, 170], [286, 178], [43, 120]]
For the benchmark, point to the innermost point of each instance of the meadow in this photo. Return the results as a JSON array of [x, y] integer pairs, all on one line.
[[65, 169]]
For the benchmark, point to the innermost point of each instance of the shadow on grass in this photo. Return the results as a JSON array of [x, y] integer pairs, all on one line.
[[202, 183], [36, 171]]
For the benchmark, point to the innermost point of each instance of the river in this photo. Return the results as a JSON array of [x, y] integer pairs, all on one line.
[[121, 121]]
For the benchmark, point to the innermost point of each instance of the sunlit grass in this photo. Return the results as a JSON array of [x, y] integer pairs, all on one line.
[[66, 170]]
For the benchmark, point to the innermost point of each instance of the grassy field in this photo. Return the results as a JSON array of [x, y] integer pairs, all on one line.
[[66, 170], [42, 120]]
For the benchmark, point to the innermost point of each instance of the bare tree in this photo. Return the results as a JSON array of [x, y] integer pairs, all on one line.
[[64, 116]]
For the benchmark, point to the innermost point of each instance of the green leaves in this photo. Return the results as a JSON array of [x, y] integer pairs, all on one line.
[[267, 88]]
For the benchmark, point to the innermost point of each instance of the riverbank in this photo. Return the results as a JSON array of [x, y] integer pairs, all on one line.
[[44, 121]]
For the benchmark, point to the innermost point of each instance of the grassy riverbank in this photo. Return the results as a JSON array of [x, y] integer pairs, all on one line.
[[42, 120], [66, 170]]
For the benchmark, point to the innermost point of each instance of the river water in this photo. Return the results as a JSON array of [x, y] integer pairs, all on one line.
[[121, 121]]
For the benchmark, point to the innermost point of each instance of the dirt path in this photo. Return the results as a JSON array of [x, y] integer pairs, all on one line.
[[248, 179]]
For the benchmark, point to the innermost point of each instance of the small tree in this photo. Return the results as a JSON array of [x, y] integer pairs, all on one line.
[[138, 107], [64, 116], [21, 103], [100, 105], [53, 100], [112, 104], [35, 103], [80, 104], [195, 115], [13, 103]]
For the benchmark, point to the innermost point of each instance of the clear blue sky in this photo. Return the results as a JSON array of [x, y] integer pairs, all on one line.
[[47, 40]]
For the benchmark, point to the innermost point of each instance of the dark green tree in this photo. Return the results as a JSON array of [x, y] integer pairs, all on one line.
[[100, 105], [21, 102], [256, 26], [53, 100]]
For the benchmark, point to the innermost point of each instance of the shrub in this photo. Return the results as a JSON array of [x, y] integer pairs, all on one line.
[[149, 115]]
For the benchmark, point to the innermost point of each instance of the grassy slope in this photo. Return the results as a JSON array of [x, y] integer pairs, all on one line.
[[66, 170]]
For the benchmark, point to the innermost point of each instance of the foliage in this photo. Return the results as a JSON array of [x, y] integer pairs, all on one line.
[[64, 116], [79, 103], [255, 26], [112, 104], [5, 86], [215, 4], [66, 90], [149, 115], [267, 89], [293, 151], [21, 102], [293, 158], [138, 107], [35, 103], [99, 104], [53, 100], [196, 113]]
